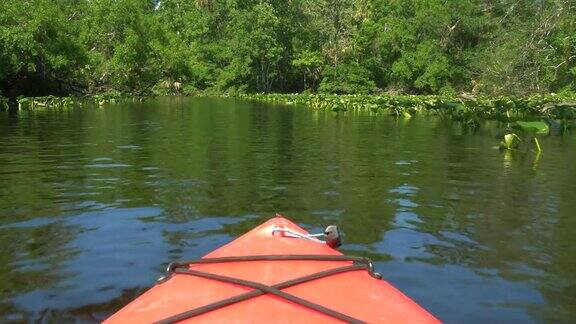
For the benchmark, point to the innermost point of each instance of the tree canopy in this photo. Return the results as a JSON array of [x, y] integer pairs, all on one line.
[[336, 46]]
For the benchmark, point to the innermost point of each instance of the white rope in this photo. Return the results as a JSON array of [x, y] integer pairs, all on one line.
[[291, 233]]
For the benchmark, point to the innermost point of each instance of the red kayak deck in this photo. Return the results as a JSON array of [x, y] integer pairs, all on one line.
[[355, 293]]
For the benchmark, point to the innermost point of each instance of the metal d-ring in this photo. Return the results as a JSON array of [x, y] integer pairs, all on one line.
[[170, 269], [368, 262]]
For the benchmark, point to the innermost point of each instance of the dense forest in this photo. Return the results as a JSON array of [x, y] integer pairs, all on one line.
[[514, 47]]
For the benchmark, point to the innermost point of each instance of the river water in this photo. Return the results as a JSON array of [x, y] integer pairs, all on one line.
[[95, 201]]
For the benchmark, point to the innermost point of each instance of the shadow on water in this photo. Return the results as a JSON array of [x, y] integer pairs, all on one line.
[[95, 201]]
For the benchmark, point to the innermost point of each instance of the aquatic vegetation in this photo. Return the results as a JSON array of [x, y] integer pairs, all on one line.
[[66, 102], [530, 130], [47, 101], [533, 129], [536, 127], [467, 109], [510, 141], [113, 97], [3, 103]]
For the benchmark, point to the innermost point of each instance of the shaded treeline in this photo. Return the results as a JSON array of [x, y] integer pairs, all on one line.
[[336, 46]]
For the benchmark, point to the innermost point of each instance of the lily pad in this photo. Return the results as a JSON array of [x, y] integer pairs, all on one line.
[[537, 127]]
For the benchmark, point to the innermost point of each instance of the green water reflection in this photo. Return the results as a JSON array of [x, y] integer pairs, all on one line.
[[94, 201]]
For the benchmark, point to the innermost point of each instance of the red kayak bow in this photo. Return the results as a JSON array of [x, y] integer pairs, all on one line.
[[277, 273]]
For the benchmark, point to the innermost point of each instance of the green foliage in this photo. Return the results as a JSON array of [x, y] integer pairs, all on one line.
[[510, 141], [346, 78], [119, 35], [3, 103], [532, 129], [309, 63], [111, 97], [36, 53], [535, 127], [531, 48], [258, 50], [469, 110], [444, 47], [45, 102]]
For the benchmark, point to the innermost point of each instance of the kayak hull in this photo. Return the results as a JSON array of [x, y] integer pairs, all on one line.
[[355, 293]]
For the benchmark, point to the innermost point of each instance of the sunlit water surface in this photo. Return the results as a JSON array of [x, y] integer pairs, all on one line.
[[95, 201]]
